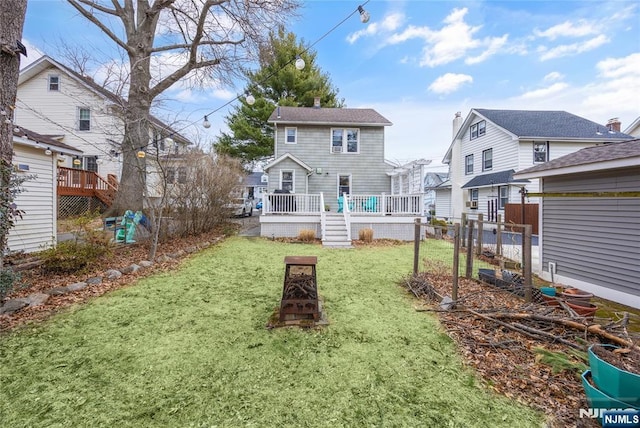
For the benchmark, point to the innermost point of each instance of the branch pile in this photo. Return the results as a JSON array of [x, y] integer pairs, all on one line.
[[509, 342]]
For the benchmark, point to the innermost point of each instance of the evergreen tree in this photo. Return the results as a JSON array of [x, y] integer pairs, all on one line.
[[277, 82]]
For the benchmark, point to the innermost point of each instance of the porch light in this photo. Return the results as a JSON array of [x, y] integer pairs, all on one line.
[[300, 63], [48, 152], [99, 161], [77, 161], [250, 99], [141, 154], [364, 15], [206, 122]]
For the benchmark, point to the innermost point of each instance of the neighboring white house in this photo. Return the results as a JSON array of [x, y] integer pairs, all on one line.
[[589, 221], [634, 128], [35, 158], [490, 145], [334, 158], [56, 101]]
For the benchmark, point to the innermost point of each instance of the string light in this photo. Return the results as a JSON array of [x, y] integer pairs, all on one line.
[[48, 152], [300, 63], [364, 15], [206, 122], [250, 99]]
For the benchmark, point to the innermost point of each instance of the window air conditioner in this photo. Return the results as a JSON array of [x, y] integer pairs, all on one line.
[[336, 149], [474, 204]]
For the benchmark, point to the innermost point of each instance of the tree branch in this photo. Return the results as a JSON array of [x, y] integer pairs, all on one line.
[[205, 43], [165, 83], [76, 4], [95, 5]]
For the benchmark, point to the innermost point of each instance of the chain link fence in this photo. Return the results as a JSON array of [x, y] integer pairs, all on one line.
[[72, 206]]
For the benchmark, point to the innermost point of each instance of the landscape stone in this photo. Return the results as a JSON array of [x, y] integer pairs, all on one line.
[[113, 274], [177, 254], [57, 291], [96, 280], [13, 305], [145, 263], [163, 258], [37, 299], [76, 286], [131, 269], [190, 250]]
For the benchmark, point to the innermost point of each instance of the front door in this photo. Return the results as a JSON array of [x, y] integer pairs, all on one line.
[[344, 185]]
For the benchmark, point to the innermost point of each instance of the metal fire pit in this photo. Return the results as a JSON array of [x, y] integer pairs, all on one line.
[[300, 290]]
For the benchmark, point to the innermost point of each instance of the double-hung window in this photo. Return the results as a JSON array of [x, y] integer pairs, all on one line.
[[286, 180], [91, 163], [345, 141], [468, 164], [182, 174], [344, 185], [504, 197], [540, 151], [487, 159], [477, 130], [84, 119], [291, 135], [54, 82], [170, 175]]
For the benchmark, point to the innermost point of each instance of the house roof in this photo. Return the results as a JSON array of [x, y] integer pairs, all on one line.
[[493, 179], [543, 125], [287, 156], [254, 179], [328, 116], [606, 156], [45, 62], [28, 137], [635, 125]]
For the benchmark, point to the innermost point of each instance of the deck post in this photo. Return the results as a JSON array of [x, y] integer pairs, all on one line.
[[469, 272], [416, 246], [480, 231], [526, 261], [456, 261]]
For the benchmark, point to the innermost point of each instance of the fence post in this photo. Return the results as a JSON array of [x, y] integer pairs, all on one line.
[[526, 260], [499, 236], [469, 272], [416, 246], [456, 261], [479, 240], [463, 222]]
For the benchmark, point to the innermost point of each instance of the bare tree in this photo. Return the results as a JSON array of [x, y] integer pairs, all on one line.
[[12, 13], [202, 40]]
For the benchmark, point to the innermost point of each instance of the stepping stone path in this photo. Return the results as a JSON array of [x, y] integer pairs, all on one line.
[[12, 306]]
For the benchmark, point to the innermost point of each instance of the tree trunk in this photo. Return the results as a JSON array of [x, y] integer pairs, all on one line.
[[12, 13]]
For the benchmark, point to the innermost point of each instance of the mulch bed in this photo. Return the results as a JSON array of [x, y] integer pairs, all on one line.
[[516, 363]]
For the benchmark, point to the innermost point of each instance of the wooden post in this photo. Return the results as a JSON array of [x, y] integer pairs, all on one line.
[[499, 236], [469, 272], [463, 221], [526, 260], [416, 245], [480, 229], [456, 261]]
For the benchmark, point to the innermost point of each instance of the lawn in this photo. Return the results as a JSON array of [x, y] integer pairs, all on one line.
[[189, 348]]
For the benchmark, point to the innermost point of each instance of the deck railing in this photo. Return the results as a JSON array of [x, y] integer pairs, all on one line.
[[292, 203], [78, 182]]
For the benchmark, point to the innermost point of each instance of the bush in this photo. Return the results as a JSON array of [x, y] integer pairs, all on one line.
[[307, 235], [8, 279], [441, 223], [72, 256], [366, 235]]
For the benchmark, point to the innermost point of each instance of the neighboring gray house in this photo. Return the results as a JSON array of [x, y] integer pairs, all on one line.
[[490, 145], [332, 159], [590, 221]]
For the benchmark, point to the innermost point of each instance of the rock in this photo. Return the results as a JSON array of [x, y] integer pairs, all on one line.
[[205, 244], [446, 303], [131, 269], [37, 299], [76, 286], [145, 263], [57, 291], [13, 305], [96, 280], [113, 274], [177, 254], [163, 258], [190, 250]]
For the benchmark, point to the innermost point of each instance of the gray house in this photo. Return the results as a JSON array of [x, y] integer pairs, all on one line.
[[489, 145], [590, 221], [329, 175]]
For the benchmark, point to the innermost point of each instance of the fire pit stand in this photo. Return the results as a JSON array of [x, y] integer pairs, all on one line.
[[300, 289]]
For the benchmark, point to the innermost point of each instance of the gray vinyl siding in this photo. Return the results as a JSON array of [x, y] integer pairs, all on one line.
[[595, 239], [367, 168]]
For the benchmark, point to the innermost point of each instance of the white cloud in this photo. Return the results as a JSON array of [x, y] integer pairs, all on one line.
[[545, 92], [553, 76], [572, 49], [618, 87], [582, 28], [33, 53], [390, 23], [449, 82], [494, 45]]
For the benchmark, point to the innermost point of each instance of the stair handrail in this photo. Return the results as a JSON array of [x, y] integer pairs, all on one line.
[[323, 217], [346, 212]]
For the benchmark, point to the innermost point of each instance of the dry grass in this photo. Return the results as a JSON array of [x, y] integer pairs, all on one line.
[[365, 235], [307, 235]]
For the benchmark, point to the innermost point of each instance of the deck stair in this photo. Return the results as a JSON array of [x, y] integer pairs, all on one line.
[[335, 234]]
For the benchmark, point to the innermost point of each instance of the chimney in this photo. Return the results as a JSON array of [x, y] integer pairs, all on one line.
[[614, 124], [457, 123], [316, 102]]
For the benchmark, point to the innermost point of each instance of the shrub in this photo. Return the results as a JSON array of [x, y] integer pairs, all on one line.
[[72, 256], [366, 235], [307, 235], [8, 279], [441, 223]]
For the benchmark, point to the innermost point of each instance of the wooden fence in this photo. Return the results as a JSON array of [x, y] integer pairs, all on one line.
[[513, 215]]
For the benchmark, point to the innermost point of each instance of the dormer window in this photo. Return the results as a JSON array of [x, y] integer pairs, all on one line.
[[478, 129], [540, 151], [54, 82], [345, 141]]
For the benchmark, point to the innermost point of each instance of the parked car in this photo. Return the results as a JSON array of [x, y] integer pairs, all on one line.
[[241, 207]]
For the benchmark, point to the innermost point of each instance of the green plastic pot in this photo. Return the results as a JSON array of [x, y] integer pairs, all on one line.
[[613, 381], [598, 399]]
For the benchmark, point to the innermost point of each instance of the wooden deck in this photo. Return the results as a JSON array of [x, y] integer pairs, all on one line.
[[78, 182]]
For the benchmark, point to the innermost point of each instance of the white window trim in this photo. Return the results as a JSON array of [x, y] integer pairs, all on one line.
[[286, 135], [78, 119], [476, 126], [338, 183], [500, 189], [484, 159], [546, 143], [293, 179], [469, 156], [344, 141], [49, 82], [474, 194]]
